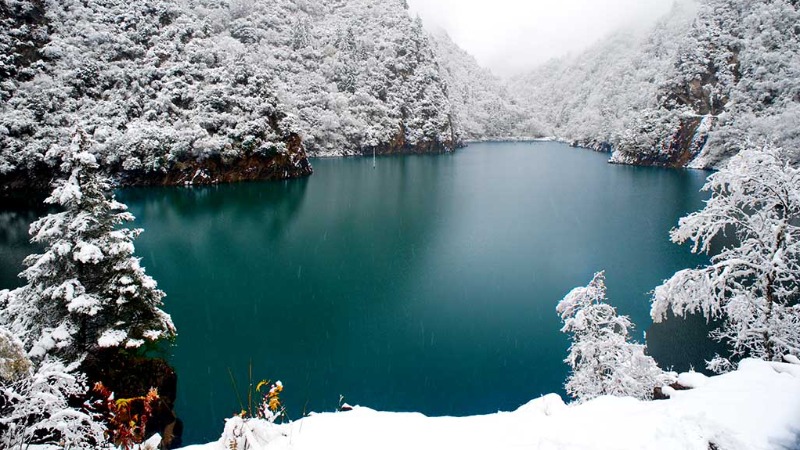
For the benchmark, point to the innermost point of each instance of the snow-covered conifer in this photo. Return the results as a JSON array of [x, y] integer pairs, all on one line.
[[602, 358], [753, 281], [86, 291]]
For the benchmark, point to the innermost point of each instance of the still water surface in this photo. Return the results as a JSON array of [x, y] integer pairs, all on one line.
[[427, 283]]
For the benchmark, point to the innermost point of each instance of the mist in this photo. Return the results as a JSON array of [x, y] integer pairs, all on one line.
[[512, 36]]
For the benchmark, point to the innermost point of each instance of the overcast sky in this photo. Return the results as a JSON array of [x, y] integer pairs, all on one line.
[[508, 36]]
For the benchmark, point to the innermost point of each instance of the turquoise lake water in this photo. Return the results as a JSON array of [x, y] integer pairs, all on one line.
[[426, 283]]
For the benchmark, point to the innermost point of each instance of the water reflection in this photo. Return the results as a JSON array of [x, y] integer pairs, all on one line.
[[14, 244], [427, 283], [269, 209]]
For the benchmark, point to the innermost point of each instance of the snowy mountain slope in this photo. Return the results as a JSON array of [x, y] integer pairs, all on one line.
[[593, 98], [757, 407], [692, 91], [203, 91], [166, 96], [483, 107], [360, 75]]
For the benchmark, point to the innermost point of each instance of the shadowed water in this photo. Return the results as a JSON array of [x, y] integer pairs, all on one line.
[[427, 283]]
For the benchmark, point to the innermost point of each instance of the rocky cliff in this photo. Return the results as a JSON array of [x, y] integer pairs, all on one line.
[[705, 82]]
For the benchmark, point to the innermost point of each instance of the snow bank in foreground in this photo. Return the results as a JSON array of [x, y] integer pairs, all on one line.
[[756, 407]]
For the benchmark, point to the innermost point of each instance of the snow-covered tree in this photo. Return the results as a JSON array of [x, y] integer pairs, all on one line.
[[603, 359], [34, 401], [35, 408], [753, 281], [86, 291]]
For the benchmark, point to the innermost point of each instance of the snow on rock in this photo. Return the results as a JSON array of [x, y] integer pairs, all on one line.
[[154, 443], [692, 379], [668, 391], [756, 407], [548, 405]]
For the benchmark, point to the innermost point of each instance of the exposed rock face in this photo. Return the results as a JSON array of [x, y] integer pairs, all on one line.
[[292, 163], [399, 145], [690, 105], [30, 186], [679, 149]]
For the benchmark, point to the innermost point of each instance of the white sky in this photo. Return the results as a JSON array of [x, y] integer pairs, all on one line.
[[509, 36]]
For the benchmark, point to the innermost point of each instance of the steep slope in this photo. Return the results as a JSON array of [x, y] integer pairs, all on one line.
[[691, 92], [592, 99], [166, 96], [203, 91], [754, 75], [359, 75], [483, 107]]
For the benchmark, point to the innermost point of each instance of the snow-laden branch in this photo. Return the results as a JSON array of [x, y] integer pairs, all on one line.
[[752, 281]]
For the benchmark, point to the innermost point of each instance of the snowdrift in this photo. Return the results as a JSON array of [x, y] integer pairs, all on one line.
[[755, 407]]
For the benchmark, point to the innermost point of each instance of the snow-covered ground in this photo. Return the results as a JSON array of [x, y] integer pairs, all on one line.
[[755, 407]]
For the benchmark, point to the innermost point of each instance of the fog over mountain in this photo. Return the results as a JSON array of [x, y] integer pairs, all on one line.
[[511, 36]]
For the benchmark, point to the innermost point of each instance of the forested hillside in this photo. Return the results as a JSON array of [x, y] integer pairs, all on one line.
[[692, 91], [165, 96], [203, 91], [483, 107], [592, 98], [200, 91], [358, 74]]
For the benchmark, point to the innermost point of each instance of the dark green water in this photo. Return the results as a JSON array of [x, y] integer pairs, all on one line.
[[426, 284]]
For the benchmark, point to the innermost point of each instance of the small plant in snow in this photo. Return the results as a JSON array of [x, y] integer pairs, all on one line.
[[253, 428], [127, 417], [753, 282], [87, 290], [271, 408], [603, 360]]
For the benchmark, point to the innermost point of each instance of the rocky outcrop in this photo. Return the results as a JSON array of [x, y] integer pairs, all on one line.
[[708, 80], [30, 186], [677, 150], [399, 145], [293, 163], [690, 108]]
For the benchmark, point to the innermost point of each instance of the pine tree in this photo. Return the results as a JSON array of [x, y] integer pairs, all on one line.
[[602, 359], [753, 281], [86, 291]]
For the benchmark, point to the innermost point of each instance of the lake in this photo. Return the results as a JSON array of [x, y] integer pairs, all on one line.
[[425, 283]]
